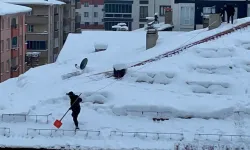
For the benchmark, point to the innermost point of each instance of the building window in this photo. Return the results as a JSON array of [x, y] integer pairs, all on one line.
[[86, 4], [30, 28], [2, 23], [7, 65], [143, 1], [86, 14], [141, 25], [187, 15], [96, 23], [208, 10], [2, 67], [118, 8], [9, 22], [143, 12], [13, 23], [2, 45], [8, 44], [86, 23], [14, 42], [36, 45], [95, 14], [95, 5], [163, 9]]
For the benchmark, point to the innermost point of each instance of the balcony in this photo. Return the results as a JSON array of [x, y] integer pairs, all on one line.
[[14, 71], [14, 52], [78, 5], [14, 31], [36, 36], [56, 34], [37, 19]]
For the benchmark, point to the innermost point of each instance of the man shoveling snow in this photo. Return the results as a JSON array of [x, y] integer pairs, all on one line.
[[75, 101]]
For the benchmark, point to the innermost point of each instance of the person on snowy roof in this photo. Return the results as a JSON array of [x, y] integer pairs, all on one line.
[[75, 101], [156, 18], [230, 12]]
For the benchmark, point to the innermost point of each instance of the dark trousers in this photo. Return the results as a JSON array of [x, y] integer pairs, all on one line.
[[229, 16], [75, 114]]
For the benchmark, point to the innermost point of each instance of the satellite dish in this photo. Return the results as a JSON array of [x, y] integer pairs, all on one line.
[[83, 63]]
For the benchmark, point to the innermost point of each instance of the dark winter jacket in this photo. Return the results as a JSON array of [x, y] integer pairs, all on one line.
[[156, 18], [222, 11], [75, 106], [230, 10]]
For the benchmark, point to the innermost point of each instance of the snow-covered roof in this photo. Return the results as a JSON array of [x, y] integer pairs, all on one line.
[[35, 2], [6, 8], [209, 83]]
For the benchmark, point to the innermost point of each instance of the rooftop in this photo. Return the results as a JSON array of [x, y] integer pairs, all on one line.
[[35, 2], [6, 8]]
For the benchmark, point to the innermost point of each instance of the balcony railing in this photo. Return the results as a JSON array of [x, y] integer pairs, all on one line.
[[77, 25]]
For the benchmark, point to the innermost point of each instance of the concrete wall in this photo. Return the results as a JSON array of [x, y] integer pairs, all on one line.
[[21, 44], [248, 10], [8, 55], [6, 52], [91, 9]]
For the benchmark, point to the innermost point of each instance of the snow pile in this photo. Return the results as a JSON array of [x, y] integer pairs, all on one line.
[[35, 2], [159, 78], [99, 46], [121, 27], [6, 9]]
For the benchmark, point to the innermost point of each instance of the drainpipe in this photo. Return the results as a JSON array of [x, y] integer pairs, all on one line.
[[0, 49], [154, 6], [194, 14]]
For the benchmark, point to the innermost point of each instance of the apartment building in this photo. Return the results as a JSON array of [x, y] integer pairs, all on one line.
[[92, 14], [118, 11], [71, 19], [147, 8], [12, 38], [133, 12], [44, 29], [188, 18]]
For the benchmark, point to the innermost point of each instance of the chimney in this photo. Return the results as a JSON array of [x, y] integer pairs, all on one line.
[[168, 16]]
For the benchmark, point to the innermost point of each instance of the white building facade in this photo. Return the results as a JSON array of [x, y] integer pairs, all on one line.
[[91, 14], [147, 8]]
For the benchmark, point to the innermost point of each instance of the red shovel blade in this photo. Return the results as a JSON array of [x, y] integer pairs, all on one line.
[[58, 124]]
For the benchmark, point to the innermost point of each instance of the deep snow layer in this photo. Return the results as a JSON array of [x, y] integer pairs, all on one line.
[[6, 9], [206, 81]]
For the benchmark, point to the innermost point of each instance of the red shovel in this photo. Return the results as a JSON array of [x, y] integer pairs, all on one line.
[[58, 123]]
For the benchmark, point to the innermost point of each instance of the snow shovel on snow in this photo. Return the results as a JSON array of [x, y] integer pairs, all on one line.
[[58, 123]]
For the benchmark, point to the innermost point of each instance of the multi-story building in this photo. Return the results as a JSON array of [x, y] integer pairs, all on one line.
[[72, 19], [118, 11], [189, 13], [12, 38], [133, 12], [92, 14], [44, 28], [148, 8]]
